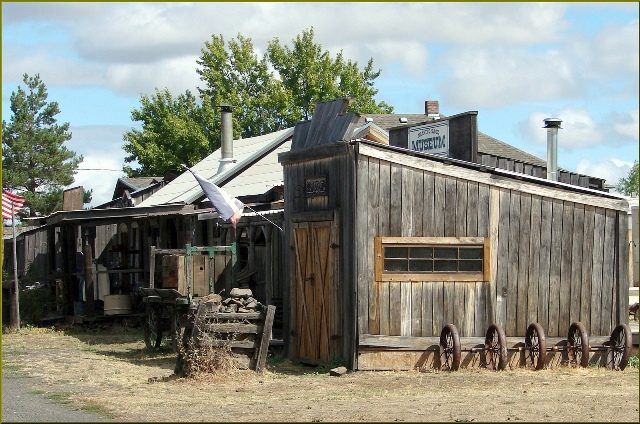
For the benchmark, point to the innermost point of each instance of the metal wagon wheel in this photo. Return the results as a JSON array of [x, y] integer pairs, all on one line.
[[449, 348], [578, 345], [152, 329], [619, 347], [495, 345], [536, 345]]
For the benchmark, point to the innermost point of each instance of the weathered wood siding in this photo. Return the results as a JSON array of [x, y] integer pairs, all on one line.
[[552, 260]]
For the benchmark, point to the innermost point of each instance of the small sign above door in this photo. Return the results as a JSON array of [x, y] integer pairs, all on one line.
[[314, 187]]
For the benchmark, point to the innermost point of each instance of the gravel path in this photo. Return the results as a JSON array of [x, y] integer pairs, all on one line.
[[20, 404]]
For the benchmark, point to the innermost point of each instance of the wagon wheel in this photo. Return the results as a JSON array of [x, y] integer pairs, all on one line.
[[495, 345], [449, 348], [619, 346], [536, 345], [578, 345], [152, 329]]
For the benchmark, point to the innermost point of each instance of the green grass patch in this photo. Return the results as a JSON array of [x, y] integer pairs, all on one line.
[[37, 392], [97, 409], [60, 397]]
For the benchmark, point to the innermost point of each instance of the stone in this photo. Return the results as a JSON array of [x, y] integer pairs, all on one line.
[[241, 293], [338, 372], [251, 305]]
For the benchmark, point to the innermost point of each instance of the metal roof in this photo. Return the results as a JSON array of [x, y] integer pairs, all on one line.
[[255, 171]]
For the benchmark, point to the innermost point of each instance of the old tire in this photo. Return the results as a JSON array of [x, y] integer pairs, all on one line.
[[152, 328], [578, 345], [449, 348], [619, 347], [536, 345], [495, 348]]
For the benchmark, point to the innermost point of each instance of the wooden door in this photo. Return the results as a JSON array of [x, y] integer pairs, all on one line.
[[315, 334]]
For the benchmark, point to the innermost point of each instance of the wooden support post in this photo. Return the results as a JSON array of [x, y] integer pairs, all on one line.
[[88, 276], [152, 266], [266, 337]]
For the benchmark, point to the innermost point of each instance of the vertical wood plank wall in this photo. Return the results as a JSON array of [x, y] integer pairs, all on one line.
[[552, 261]]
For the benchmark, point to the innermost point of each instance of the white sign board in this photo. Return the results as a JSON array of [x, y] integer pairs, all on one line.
[[430, 138]]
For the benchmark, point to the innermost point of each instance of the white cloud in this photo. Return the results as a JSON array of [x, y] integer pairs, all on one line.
[[101, 147], [611, 170], [494, 77], [580, 130]]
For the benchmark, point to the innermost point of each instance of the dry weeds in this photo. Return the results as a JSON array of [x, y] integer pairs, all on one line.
[[113, 370]]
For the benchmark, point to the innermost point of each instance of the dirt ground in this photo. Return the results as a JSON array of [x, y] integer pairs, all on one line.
[[110, 373]]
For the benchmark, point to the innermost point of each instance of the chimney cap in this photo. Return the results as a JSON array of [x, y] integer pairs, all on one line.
[[226, 107], [552, 123]]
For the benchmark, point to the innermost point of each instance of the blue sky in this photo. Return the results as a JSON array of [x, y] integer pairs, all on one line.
[[514, 63]]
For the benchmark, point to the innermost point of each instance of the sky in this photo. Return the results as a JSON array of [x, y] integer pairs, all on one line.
[[514, 63]]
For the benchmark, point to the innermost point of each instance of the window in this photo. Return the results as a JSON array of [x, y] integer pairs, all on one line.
[[432, 259]]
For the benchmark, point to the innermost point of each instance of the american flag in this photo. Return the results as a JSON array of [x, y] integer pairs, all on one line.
[[9, 200]]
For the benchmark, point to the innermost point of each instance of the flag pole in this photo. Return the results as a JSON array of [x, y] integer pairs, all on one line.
[[15, 299], [265, 218]]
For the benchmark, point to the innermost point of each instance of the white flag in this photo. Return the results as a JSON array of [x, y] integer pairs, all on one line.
[[229, 208]]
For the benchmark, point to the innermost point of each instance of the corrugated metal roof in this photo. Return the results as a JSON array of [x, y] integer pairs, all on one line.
[[261, 151]]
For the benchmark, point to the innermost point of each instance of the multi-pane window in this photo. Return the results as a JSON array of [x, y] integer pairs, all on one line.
[[431, 259]]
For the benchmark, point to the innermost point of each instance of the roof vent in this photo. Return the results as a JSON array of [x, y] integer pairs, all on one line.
[[226, 142], [368, 119], [403, 120], [552, 125]]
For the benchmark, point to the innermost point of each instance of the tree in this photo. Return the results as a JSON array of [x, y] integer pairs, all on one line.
[[35, 161], [174, 131], [311, 75], [630, 185], [185, 129]]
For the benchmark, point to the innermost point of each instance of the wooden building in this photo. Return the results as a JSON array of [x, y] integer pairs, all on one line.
[[389, 245]]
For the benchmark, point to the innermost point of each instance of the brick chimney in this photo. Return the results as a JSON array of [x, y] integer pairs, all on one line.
[[432, 108]]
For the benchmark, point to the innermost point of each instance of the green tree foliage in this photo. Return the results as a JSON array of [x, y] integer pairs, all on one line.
[[268, 93], [310, 75], [174, 131], [630, 185], [35, 161]]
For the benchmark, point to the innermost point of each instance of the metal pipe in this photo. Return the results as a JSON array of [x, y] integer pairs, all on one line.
[[226, 138], [552, 125]]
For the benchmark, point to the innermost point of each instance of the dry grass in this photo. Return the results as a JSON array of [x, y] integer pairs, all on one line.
[[111, 371]]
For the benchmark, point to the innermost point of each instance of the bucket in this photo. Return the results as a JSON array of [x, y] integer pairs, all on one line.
[[117, 304]]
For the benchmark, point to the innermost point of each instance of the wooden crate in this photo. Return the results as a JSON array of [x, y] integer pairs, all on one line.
[[174, 274]]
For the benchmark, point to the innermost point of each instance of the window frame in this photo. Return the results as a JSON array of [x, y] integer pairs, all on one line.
[[391, 276]]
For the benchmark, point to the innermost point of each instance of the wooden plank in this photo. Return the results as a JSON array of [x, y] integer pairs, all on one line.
[[608, 272], [461, 208], [564, 320], [458, 309], [502, 283], [384, 308], [587, 267], [439, 206], [418, 202], [468, 323], [384, 199], [406, 209], [545, 263], [362, 225], [450, 204], [266, 337], [534, 263], [481, 318], [436, 276], [395, 326], [483, 210], [405, 309], [513, 266], [416, 308], [371, 233], [596, 273], [472, 210], [429, 195], [432, 240], [498, 179], [622, 272], [438, 307], [555, 267], [427, 309], [395, 200], [449, 303], [494, 217], [523, 265], [577, 237]]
